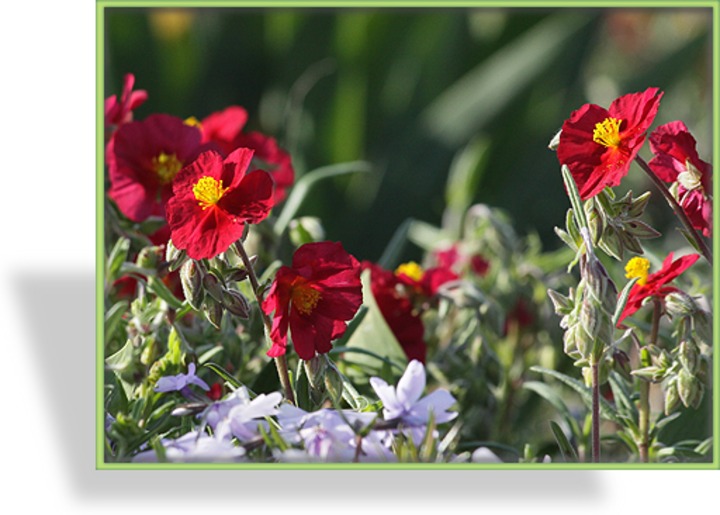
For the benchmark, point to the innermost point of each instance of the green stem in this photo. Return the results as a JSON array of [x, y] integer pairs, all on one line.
[[595, 412], [280, 361], [644, 403], [679, 211]]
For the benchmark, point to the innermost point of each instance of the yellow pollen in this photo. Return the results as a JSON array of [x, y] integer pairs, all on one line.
[[607, 132], [410, 269], [637, 267], [208, 192], [193, 122], [305, 298], [166, 167]]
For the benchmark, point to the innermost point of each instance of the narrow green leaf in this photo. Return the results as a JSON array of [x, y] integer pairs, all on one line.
[[113, 317], [158, 287], [606, 409], [224, 374], [622, 300], [390, 255], [117, 257], [122, 359], [566, 449], [306, 182]]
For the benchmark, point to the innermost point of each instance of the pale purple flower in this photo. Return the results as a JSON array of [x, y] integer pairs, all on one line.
[[196, 447], [404, 402], [242, 415], [180, 382], [325, 435]]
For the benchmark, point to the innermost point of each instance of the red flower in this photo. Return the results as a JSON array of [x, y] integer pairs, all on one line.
[[598, 145], [213, 199], [677, 160], [313, 299], [397, 310], [118, 112], [143, 159], [425, 282], [453, 259], [224, 129], [653, 285]]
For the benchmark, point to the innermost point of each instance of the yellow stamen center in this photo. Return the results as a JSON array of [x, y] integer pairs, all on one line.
[[304, 298], [410, 269], [638, 267], [607, 132], [193, 122], [166, 167], [208, 192]]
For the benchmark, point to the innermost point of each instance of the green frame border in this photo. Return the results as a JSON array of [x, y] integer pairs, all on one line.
[[101, 5]]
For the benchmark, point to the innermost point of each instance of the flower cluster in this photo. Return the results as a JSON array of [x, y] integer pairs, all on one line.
[[192, 173], [240, 425]]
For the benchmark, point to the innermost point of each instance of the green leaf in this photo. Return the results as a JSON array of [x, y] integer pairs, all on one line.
[[117, 257], [267, 381], [374, 335], [224, 374], [158, 287], [113, 318], [622, 300], [566, 449], [464, 176], [606, 409], [122, 359], [461, 110], [390, 255], [550, 395], [306, 182]]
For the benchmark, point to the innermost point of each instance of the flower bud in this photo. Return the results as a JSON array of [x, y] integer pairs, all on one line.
[[191, 282], [562, 304], [213, 286], [236, 303], [149, 257], [333, 383], [688, 356], [555, 141], [621, 363], [672, 398], [690, 389], [174, 256], [680, 304], [315, 370], [213, 312]]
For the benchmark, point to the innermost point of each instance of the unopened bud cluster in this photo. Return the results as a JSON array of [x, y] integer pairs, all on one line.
[[209, 291]]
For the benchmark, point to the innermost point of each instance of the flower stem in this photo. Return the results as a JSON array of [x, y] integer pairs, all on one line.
[[679, 211], [280, 362], [644, 403], [595, 412]]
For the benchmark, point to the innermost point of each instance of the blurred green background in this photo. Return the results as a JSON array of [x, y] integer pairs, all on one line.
[[410, 90]]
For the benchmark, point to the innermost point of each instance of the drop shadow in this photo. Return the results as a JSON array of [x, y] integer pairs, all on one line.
[[64, 350]]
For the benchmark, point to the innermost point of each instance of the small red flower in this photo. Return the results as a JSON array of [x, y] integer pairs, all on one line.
[[118, 112], [313, 299], [425, 282], [655, 284], [454, 259], [397, 310], [676, 160], [224, 129], [213, 199], [143, 159], [598, 145]]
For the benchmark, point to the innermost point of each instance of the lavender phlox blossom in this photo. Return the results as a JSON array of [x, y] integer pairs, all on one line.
[[180, 382], [404, 403], [327, 435], [242, 414], [196, 447]]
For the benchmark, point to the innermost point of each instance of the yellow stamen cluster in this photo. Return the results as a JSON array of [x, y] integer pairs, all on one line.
[[638, 267], [166, 167], [305, 298], [607, 132], [208, 192], [410, 269], [193, 122]]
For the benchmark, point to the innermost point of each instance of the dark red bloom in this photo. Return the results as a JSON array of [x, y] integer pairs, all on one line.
[[454, 259], [425, 282], [313, 299], [655, 284], [143, 159], [598, 145], [213, 199], [397, 310], [225, 129], [118, 112], [216, 392], [676, 160]]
